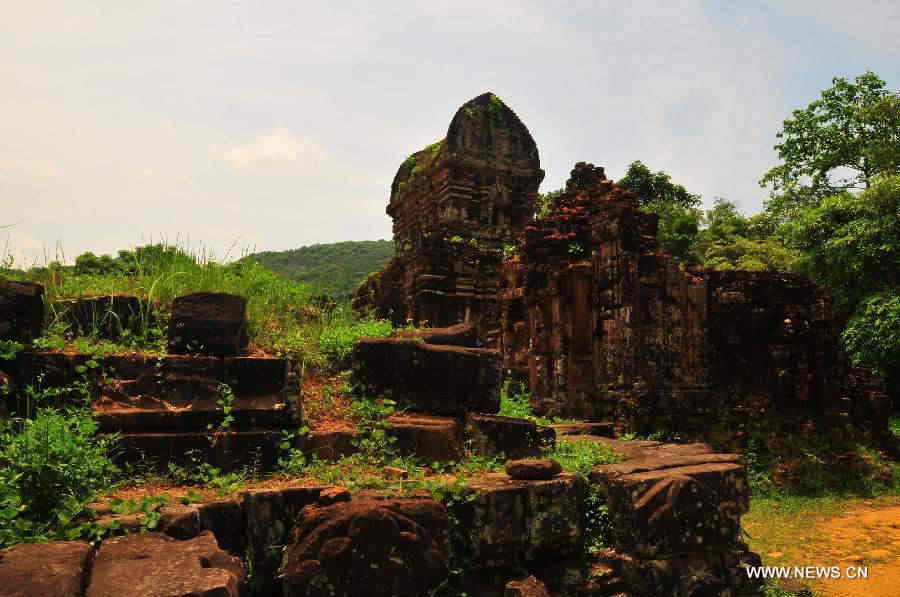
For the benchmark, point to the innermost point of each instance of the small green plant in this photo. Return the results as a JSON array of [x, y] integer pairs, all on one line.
[[147, 507], [224, 401], [576, 249], [9, 350]]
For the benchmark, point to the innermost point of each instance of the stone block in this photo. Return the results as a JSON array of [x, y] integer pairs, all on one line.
[[154, 564], [441, 380], [57, 569], [105, 316], [426, 437], [21, 311], [208, 323], [673, 511], [268, 517], [379, 548], [510, 522], [492, 435], [329, 445]]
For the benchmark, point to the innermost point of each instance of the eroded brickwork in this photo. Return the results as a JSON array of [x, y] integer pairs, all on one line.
[[454, 205], [607, 327]]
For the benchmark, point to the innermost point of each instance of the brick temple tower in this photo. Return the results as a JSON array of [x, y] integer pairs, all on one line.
[[456, 204]]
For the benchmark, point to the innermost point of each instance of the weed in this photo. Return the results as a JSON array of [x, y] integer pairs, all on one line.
[[225, 401], [52, 465]]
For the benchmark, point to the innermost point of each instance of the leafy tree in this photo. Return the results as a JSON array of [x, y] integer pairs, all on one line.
[[872, 337], [657, 187], [730, 240], [752, 255], [677, 208], [678, 229], [840, 142], [851, 243], [89, 264]]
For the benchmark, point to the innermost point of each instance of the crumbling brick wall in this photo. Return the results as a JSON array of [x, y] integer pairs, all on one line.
[[607, 327]]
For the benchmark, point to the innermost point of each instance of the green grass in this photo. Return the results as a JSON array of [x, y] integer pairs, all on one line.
[[282, 318]]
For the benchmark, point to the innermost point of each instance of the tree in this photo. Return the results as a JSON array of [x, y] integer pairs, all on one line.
[[840, 142], [678, 228], [677, 208], [851, 243], [89, 264], [730, 240], [656, 187]]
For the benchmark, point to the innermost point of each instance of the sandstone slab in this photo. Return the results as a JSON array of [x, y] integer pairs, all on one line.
[[21, 310], [432, 439], [156, 565], [58, 569], [208, 323], [440, 380], [493, 435], [379, 548]]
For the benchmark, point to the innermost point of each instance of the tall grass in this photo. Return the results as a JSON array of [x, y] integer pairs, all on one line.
[[282, 318]]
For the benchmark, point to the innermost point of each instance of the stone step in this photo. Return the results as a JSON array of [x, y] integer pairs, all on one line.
[[147, 413], [231, 449]]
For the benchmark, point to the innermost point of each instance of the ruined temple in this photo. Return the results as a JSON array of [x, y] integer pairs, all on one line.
[[455, 204], [584, 305], [607, 327]]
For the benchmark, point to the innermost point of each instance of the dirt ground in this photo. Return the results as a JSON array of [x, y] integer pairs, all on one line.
[[866, 534]]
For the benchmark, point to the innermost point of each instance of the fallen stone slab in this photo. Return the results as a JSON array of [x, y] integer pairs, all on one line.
[[231, 450], [440, 380], [208, 323], [493, 435], [378, 548], [432, 439], [57, 569], [156, 565]]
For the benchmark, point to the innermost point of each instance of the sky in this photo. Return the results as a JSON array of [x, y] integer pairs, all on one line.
[[233, 127]]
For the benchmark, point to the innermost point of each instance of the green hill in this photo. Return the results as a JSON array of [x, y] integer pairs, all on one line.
[[335, 268]]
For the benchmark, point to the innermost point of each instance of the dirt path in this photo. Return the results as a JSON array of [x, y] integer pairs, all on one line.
[[864, 536]]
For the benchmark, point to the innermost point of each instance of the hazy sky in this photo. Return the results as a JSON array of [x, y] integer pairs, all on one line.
[[272, 125]]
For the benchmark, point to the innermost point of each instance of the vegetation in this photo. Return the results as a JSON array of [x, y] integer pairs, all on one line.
[[840, 142], [284, 317], [336, 269]]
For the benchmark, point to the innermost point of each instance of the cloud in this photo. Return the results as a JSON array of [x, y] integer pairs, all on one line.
[[277, 147]]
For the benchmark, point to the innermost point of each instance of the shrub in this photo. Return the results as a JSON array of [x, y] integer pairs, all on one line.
[[49, 469]]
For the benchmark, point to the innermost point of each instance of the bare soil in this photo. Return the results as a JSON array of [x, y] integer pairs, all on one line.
[[864, 533]]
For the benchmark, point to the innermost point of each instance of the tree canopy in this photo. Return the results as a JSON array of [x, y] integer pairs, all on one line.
[[840, 142], [656, 187]]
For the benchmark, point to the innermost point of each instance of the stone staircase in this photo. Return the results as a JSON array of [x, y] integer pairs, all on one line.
[[172, 408]]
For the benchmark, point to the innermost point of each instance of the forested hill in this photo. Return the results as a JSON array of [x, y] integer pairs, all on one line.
[[336, 268]]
